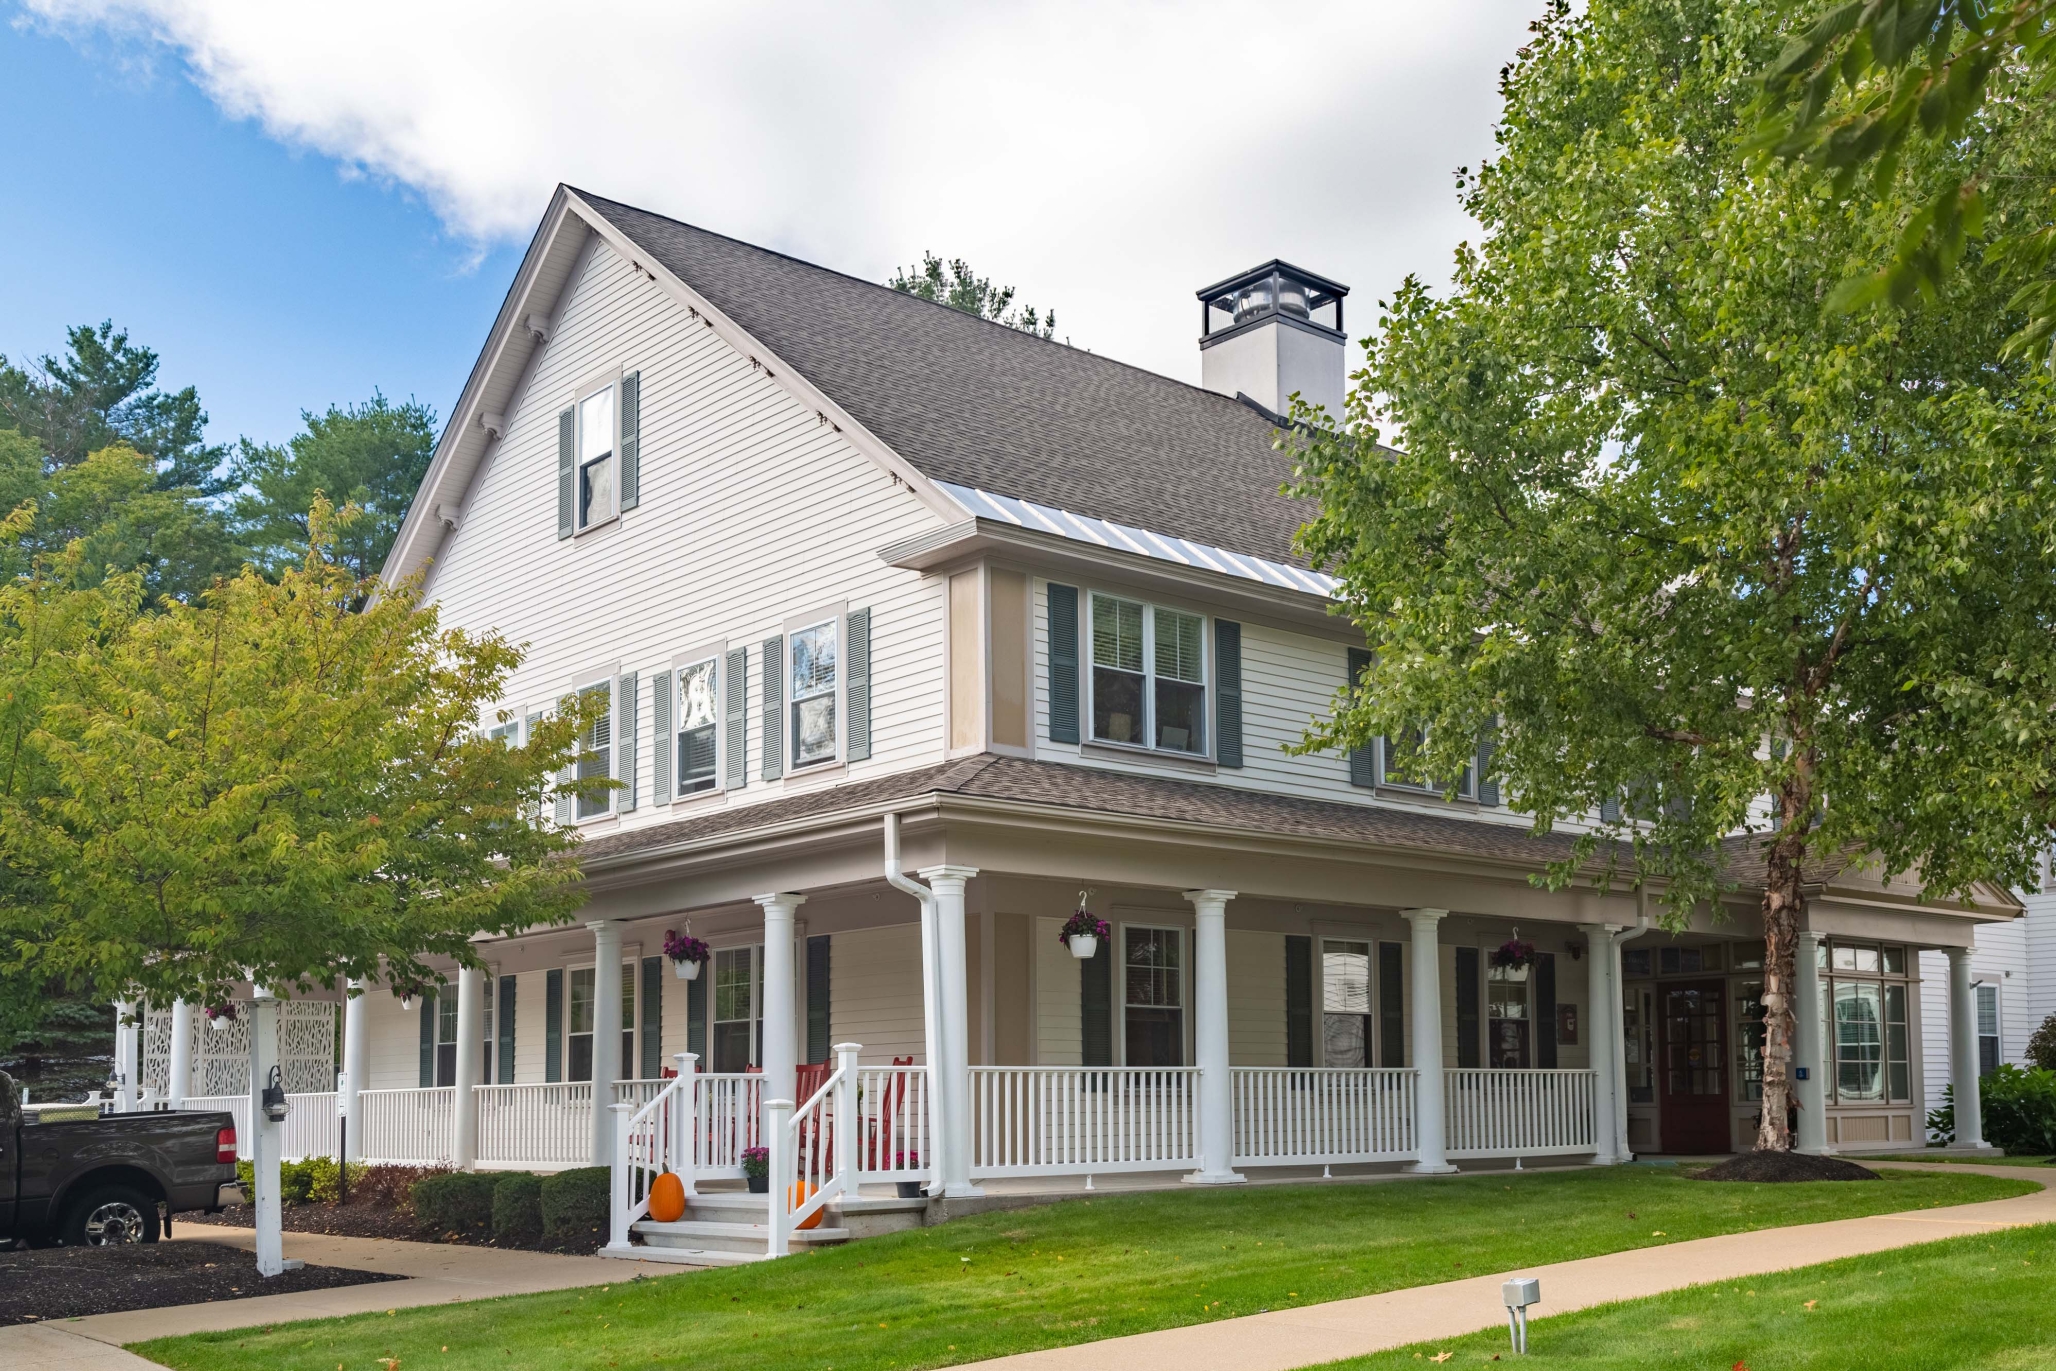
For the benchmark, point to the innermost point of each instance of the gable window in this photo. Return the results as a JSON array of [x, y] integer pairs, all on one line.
[[813, 695], [598, 473], [699, 714], [596, 750], [1148, 676]]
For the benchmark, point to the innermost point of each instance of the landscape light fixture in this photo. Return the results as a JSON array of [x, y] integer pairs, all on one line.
[[275, 1097], [1519, 1293]]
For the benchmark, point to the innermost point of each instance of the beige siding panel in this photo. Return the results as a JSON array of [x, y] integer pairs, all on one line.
[[752, 510], [1059, 1033], [675, 1002], [531, 1022], [874, 993], [1013, 1021], [1256, 998], [395, 1041]]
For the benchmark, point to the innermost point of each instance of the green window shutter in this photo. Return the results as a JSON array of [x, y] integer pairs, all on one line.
[[1228, 699], [1363, 761], [1391, 1005], [1096, 1007], [567, 474], [1063, 663], [1299, 1000], [1545, 1010], [652, 1018], [1468, 1028], [631, 440], [696, 1015], [625, 770], [427, 1010], [857, 688], [553, 1025], [737, 709], [661, 741], [504, 1057], [1488, 784], [818, 1046], [774, 708]]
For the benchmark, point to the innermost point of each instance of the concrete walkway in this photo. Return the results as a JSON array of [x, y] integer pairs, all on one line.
[[1308, 1336]]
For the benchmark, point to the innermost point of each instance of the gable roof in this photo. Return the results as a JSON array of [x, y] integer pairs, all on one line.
[[973, 403]]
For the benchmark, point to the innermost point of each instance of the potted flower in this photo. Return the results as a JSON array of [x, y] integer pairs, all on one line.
[[1513, 954], [907, 1161], [220, 1016], [756, 1169], [1082, 933], [687, 953]]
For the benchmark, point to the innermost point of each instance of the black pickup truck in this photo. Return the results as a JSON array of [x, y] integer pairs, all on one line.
[[98, 1179]]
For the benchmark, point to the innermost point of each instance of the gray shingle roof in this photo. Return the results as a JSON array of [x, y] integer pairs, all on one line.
[[983, 405]]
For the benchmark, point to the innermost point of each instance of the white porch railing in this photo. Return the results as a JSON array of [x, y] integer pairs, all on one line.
[[1294, 1116], [728, 1113], [312, 1128], [409, 1127], [1502, 1113], [536, 1126], [648, 1140], [813, 1150], [1078, 1120], [895, 1139]]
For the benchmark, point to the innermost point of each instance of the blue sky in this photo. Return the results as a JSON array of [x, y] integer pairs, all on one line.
[[259, 274], [296, 204]]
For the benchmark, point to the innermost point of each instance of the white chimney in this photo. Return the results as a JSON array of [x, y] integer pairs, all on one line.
[[1273, 331]]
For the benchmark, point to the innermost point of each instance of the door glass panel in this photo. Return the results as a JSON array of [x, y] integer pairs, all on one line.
[[1153, 990], [1859, 1040], [1897, 1070], [1345, 1003], [1692, 1041], [1749, 1020], [1507, 1033]]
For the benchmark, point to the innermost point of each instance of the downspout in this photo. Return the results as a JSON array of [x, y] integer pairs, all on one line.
[[930, 1000]]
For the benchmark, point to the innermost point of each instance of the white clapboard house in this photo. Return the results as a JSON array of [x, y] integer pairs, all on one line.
[[854, 570]]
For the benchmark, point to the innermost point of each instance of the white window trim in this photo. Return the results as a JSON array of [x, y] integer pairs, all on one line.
[[1187, 1046], [610, 381], [1089, 664], [717, 653], [838, 614], [611, 679]]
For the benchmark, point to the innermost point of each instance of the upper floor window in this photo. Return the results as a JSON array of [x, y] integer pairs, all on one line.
[[813, 702], [596, 750], [598, 476], [1148, 676], [1396, 761], [699, 712]]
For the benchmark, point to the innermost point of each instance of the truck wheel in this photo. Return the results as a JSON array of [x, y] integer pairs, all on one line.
[[108, 1216]]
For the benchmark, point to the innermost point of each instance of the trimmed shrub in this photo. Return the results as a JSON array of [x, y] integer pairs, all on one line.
[[518, 1210], [574, 1205], [389, 1187], [2041, 1048], [2016, 1107], [459, 1202]]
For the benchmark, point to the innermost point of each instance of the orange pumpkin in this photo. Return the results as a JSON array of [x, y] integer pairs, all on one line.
[[667, 1198], [796, 1197]]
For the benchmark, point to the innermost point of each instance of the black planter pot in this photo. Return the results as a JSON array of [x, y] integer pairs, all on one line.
[[759, 1185], [909, 1190]]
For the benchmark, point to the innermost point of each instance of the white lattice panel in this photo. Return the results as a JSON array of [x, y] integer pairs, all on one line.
[[157, 1050], [306, 1039]]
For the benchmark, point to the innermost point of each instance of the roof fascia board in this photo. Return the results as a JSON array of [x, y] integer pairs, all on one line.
[[407, 555], [785, 374], [946, 549]]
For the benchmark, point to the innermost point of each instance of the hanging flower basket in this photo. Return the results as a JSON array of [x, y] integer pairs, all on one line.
[[220, 1016], [687, 953], [1514, 954], [1082, 933]]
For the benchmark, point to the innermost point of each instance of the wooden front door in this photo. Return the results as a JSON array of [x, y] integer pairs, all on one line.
[[1694, 1073]]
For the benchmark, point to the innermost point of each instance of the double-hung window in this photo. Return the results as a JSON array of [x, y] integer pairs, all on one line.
[[598, 471], [1989, 1052], [579, 1040], [446, 1036], [1148, 676], [699, 719], [596, 749], [1153, 991], [1345, 1003], [1396, 756], [736, 1020], [813, 697]]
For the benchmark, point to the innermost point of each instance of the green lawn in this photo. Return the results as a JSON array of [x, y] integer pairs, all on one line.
[[1072, 1272], [1964, 1303], [1956, 1158]]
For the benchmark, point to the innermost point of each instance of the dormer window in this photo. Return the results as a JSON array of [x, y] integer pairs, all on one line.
[[598, 488]]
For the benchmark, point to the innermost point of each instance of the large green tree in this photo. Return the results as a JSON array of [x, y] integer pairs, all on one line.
[[1712, 558], [371, 456], [104, 392]]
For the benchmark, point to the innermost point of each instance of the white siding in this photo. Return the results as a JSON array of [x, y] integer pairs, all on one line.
[[1256, 998], [395, 1041], [874, 993], [531, 1021], [1059, 1029], [752, 511]]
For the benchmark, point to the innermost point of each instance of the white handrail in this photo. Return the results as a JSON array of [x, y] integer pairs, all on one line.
[[1082, 1120], [1286, 1116], [647, 1142], [813, 1149], [1503, 1112]]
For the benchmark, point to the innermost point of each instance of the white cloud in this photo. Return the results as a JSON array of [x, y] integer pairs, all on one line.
[[1105, 158]]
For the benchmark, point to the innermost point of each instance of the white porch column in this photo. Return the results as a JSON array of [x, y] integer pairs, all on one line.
[[781, 1043], [267, 1137], [128, 1057], [1210, 1038], [1602, 1031], [179, 1083], [356, 1065], [1807, 1052], [1963, 1062], [606, 1035], [471, 1060], [1427, 1042], [952, 1067]]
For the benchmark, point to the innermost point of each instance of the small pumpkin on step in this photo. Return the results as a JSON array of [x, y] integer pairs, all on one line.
[[667, 1198]]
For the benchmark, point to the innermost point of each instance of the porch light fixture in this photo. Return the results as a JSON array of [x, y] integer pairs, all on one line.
[[1519, 1293]]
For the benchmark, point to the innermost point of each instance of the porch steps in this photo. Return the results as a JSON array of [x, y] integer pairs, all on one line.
[[715, 1243]]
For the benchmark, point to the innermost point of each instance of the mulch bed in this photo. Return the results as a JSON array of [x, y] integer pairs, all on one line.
[[366, 1221], [70, 1282], [1786, 1166]]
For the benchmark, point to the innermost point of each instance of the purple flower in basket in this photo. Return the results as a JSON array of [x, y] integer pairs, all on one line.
[[223, 1012], [756, 1161], [1085, 924], [906, 1161], [1513, 953], [686, 948]]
